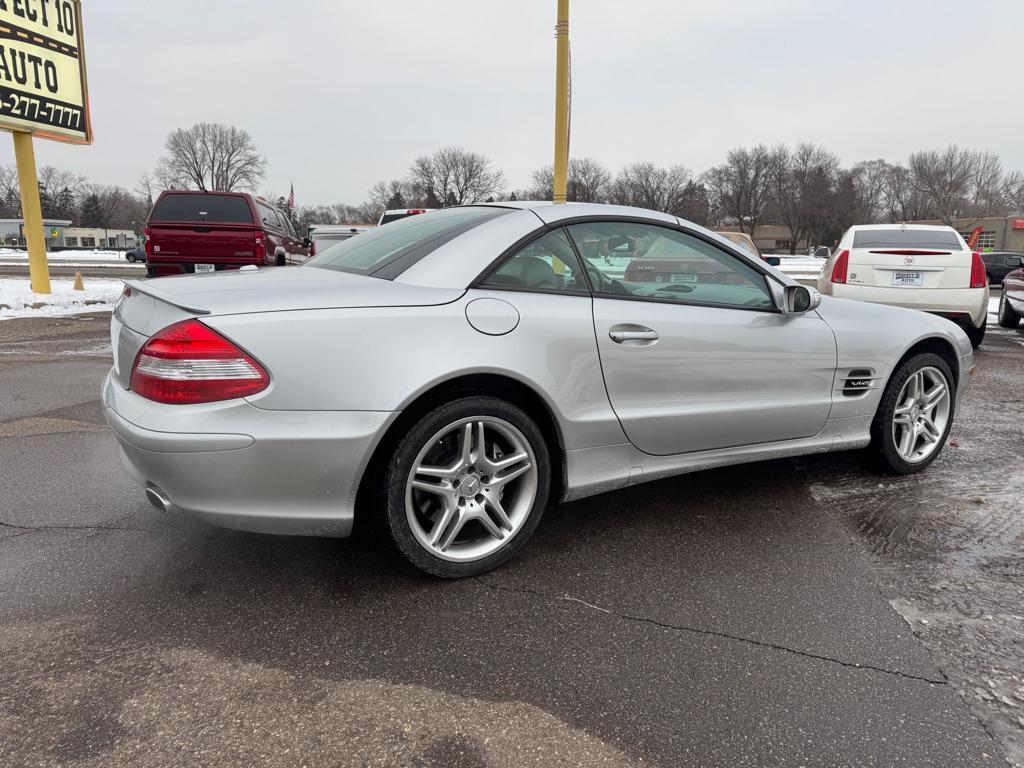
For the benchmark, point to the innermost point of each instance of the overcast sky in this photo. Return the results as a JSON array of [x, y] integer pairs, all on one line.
[[339, 94]]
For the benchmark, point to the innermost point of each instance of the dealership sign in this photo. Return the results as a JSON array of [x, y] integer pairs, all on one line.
[[42, 70]]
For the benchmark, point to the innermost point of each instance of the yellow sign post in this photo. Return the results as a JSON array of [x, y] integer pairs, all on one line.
[[561, 168], [42, 93]]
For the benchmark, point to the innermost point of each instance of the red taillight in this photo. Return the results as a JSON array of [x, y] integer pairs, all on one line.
[[147, 244], [259, 250], [414, 211], [839, 268], [312, 249], [978, 277], [189, 362]]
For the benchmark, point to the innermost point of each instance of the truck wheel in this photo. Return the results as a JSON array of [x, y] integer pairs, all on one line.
[[1008, 318]]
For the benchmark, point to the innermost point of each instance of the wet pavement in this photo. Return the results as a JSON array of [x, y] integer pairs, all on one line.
[[799, 612]]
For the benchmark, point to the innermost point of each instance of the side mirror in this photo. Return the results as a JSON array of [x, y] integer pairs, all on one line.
[[1014, 261], [797, 299], [822, 252], [773, 261], [615, 242], [307, 243]]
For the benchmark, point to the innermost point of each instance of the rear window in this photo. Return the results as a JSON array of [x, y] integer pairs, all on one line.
[[223, 209], [906, 238], [387, 218], [388, 251]]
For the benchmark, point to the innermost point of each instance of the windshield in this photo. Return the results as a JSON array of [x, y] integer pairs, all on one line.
[[906, 238], [388, 251]]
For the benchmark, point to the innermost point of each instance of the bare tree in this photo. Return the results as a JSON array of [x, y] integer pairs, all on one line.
[[210, 156], [945, 177], [1013, 192], [986, 185], [806, 183], [902, 199], [454, 176], [588, 181], [870, 178], [741, 188], [646, 185]]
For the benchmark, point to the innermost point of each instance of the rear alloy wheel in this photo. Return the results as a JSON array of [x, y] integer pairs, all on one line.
[[915, 415], [467, 487], [1008, 318], [976, 335]]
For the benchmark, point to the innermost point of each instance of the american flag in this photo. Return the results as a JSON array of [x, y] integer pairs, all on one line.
[[291, 199]]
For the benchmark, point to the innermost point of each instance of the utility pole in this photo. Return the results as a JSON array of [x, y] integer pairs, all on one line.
[[31, 211], [561, 168]]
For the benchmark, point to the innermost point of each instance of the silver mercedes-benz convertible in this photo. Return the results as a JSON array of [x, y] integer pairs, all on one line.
[[444, 377]]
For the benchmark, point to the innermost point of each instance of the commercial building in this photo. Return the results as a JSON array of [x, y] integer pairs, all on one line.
[[12, 232], [60, 234]]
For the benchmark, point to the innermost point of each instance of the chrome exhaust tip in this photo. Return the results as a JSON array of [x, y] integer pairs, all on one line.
[[158, 498]]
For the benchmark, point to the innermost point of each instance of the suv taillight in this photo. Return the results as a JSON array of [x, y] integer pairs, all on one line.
[[978, 276], [146, 244], [189, 362], [259, 250], [839, 268]]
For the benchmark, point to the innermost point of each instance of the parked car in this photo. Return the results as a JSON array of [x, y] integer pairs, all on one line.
[[1011, 301], [395, 214], [444, 377], [320, 236], [746, 242], [211, 231], [137, 254], [999, 265], [911, 265]]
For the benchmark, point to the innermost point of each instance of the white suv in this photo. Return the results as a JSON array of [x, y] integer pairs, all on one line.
[[911, 265]]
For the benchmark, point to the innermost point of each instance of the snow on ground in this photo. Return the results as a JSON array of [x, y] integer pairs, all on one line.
[[18, 300], [93, 258], [800, 267]]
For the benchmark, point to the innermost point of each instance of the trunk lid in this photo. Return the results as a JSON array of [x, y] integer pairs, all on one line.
[[909, 268], [151, 305]]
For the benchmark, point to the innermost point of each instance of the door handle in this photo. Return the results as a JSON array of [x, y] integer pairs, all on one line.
[[619, 334]]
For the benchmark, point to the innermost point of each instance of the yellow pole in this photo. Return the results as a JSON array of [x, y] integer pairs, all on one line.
[[31, 212], [561, 169]]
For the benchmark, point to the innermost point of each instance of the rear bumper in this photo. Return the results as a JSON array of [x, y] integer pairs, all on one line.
[[238, 466], [158, 268], [968, 304]]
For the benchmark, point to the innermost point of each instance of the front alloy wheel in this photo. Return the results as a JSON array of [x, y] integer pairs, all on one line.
[[915, 414], [467, 487], [921, 415]]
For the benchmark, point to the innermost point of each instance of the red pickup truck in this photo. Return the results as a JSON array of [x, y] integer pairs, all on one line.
[[209, 231]]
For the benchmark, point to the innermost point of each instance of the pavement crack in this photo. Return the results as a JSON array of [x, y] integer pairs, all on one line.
[[713, 633], [37, 528]]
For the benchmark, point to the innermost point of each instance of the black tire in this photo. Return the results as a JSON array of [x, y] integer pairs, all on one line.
[[1008, 318], [131, 258], [976, 335], [392, 493], [882, 441]]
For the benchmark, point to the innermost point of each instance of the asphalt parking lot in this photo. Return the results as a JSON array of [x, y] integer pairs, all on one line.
[[799, 612]]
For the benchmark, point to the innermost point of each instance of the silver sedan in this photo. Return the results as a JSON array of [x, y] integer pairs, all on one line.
[[445, 377]]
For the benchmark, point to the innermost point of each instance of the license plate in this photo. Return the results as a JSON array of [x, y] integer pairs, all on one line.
[[682, 277], [907, 278], [205, 268]]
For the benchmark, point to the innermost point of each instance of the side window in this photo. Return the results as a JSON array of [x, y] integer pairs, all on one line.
[[269, 216], [650, 262], [546, 264]]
